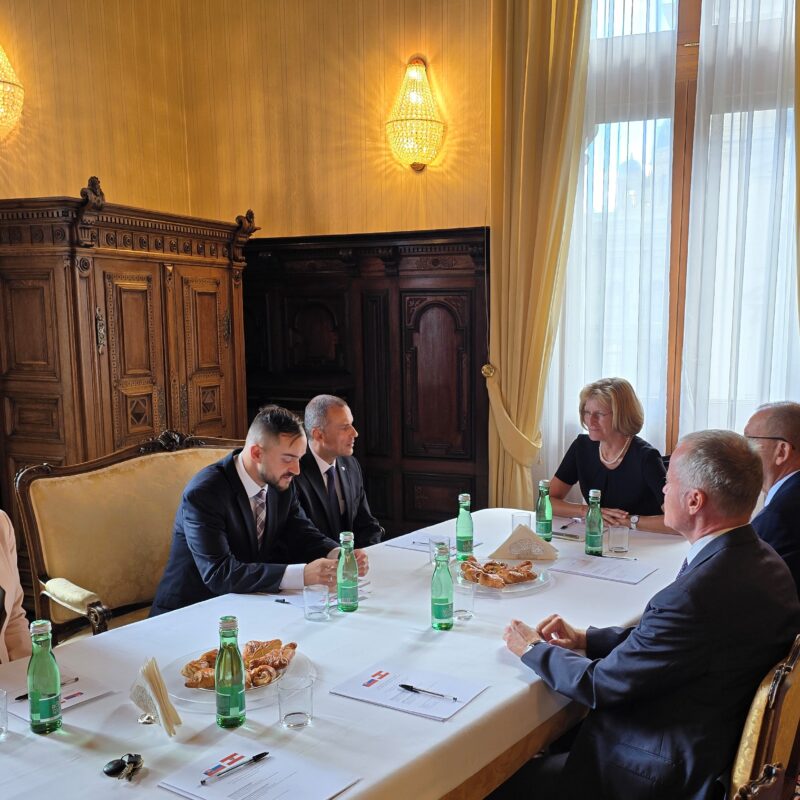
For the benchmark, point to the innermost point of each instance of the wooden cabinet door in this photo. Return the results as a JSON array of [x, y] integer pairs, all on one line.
[[132, 356], [203, 350]]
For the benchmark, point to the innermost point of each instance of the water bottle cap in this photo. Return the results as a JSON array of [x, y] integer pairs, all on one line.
[[544, 484], [345, 537], [228, 624], [463, 498], [594, 494], [40, 626]]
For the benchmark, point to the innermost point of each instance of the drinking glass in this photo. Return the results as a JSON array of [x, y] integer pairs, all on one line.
[[618, 536], [315, 603], [295, 701], [3, 713], [463, 600], [520, 518]]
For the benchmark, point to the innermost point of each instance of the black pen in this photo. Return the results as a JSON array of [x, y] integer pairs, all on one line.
[[281, 600], [409, 688], [571, 522], [228, 771]]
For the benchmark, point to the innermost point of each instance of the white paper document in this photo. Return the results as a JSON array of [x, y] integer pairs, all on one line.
[[414, 541], [72, 694], [380, 685], [607, 569], [279, 776]]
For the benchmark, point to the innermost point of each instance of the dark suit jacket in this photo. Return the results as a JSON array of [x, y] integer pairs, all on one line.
[[668, 698], [778, 525], [214, 543], [314, 499]]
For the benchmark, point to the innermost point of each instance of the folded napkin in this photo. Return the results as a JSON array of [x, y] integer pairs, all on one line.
[[525, 544], [150, 694]]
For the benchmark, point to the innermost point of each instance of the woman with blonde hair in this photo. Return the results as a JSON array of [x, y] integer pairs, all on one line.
[[628, 471]]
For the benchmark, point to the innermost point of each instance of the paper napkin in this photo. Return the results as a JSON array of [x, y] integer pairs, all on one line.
[[149, 693], [525, 544]]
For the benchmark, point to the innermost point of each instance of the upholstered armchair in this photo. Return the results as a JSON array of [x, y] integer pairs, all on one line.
[[99, 533], [768, 760]]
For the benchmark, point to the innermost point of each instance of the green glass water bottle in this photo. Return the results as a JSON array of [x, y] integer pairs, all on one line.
[[594, 525], [442, 591], [229, 676], [463, 529], [347, 574], [544, 512], [44, 680]]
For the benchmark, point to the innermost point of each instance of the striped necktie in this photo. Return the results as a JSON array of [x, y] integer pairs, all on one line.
[[260, 510], [683, 569]]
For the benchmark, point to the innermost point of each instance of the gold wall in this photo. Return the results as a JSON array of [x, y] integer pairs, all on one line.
[[208, 107]]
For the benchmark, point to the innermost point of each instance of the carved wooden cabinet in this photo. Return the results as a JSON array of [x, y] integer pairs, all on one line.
[[396, 324], [116, 324]]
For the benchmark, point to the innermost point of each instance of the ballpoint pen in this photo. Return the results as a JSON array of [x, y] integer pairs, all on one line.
[[63, 683], [575, 537], [221, 775], [570, 523], [282, 600], [409, 688], [621, 558]]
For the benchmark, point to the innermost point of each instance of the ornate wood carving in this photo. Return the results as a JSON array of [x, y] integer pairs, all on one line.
[[395, 324], [84, 232], [100, 330]]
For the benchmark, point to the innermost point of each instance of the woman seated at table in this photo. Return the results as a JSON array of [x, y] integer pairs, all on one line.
[[628, 471], [15, 642]]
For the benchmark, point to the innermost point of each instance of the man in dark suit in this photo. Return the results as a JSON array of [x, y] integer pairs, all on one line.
[[330, 485], [240, 528], [775, 431], [668, 697]]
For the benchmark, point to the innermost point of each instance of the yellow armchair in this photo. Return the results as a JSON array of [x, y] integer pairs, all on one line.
[[99, 533]]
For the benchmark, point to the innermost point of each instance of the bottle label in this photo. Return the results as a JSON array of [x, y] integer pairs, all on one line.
[[49, 708]]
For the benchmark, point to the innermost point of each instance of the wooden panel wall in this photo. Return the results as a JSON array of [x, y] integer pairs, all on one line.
[[204, 107]]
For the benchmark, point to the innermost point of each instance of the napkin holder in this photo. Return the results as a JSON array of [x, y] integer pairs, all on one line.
[[149, 693], [524, 545]]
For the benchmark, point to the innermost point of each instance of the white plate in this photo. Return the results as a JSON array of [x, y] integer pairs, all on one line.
[[204, 700], [541, 580]]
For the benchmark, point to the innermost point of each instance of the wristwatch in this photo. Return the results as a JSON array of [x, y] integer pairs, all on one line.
[[634, 520]]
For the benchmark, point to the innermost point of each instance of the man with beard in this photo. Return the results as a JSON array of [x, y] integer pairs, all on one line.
[[240, 528]]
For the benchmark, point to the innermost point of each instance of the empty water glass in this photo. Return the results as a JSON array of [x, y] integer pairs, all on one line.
[[295, 701], [315, 603], [618, 536]]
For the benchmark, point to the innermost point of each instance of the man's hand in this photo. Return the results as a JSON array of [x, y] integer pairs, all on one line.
[[363, 562], [615, 516], [555, 630], [518, 636], [323, 570]]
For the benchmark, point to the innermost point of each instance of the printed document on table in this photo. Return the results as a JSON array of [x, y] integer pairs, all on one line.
[[607, 569], [72, 694], [280, 775], [380, 685], [415, 541]]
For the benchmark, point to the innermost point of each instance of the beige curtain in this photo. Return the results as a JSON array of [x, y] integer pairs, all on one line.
[[539, 63]]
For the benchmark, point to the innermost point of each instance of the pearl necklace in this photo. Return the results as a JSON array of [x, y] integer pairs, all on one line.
[[613, 461]]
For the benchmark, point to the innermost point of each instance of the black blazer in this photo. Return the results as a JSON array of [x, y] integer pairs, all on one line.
[[214, 543], [668, 698], [314, 499], [778, 525]]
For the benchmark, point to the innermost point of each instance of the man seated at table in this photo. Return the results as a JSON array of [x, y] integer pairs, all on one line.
[[330, 485], [240, 528], [15, 641], [668, 697], [775, 431]]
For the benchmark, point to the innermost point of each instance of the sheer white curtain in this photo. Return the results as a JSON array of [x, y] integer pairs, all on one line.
[[742, 341], [615, 315]]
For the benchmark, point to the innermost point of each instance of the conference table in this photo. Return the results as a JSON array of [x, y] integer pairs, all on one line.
[[394, 754]]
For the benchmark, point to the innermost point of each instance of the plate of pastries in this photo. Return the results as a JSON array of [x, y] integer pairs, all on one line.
[[503, 577], [191, 677]]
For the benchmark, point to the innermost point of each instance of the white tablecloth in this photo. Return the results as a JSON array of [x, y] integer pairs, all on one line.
[[397, 755]]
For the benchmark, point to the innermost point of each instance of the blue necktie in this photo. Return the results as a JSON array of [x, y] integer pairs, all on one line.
[[683, 569]]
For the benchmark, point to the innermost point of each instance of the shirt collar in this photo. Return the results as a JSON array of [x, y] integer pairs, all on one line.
[[777, 485], [250, 486], [323, 465], [697, 546]]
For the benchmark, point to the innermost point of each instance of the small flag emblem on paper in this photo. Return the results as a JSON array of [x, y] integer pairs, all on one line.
[[224, 763], [375, 677]]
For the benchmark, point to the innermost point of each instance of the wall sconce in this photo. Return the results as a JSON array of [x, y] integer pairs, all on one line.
[[415, 130], [11, 96]]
